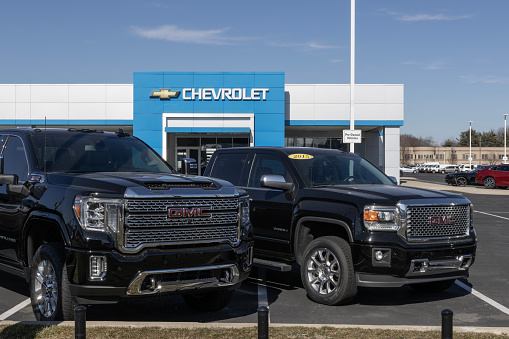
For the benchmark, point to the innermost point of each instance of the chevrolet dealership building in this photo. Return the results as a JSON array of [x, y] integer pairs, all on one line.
[[191, 114]]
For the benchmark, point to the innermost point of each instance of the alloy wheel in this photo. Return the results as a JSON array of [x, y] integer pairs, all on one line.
[[461, 181], [46, 288], [489, 182], [323, 271]]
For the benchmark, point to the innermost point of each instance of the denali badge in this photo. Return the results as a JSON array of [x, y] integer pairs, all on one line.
[[183, 212], [443, 220]]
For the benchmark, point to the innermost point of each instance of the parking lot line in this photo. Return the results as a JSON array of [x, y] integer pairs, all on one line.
[[492, 215], [15, 309], [484, 298]]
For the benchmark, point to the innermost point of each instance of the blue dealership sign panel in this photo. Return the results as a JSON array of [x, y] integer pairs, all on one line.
[[259, 94]]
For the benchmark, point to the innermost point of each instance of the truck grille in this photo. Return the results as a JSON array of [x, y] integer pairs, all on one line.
[[148, 222], [425, 222], [162, 205]]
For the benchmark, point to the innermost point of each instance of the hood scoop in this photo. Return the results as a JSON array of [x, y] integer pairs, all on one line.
[[206, 185]]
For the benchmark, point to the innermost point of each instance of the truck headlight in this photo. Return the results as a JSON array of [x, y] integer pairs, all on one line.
[[245, 223], [382, 218], [99, 214]]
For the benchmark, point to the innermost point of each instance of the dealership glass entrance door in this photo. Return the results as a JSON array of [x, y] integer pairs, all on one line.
[[201, 148]]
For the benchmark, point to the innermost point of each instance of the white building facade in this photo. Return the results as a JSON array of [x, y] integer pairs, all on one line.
[[190, 114]]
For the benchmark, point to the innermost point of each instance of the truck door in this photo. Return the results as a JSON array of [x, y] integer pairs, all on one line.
[[11, 208], [271, 209]]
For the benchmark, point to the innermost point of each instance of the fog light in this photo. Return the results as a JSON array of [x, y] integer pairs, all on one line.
[[98, 267], [379, 255]]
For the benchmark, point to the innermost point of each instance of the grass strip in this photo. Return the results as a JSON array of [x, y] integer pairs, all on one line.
[[57, 332]]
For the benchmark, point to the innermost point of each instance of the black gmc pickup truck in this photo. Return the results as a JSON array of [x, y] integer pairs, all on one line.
[[90, 217], [346, 223]]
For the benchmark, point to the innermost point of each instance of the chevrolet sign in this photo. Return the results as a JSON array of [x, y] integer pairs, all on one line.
[[231, 94]]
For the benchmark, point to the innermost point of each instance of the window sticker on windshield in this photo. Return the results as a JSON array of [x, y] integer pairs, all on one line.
[[300, 156]]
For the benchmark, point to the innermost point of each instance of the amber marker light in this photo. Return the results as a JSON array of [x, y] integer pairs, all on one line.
[[370, 215]]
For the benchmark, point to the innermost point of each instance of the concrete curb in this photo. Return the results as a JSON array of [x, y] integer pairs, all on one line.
[[190, 325]]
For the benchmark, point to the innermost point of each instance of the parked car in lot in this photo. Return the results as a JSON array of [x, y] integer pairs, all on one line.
[[92, 217], [463, 178], [467, 167], [346, 223], [449, 169], [494, 176], [407, 169]]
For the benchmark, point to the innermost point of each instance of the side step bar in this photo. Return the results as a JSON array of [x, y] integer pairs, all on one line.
[[272, 265]]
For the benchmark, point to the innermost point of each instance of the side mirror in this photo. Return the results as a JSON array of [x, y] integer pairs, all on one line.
[[189, 166], [20, 191], [9, 179], [393, 179], [276, 181]]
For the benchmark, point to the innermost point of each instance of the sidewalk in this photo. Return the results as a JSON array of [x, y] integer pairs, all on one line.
[[473, 189]]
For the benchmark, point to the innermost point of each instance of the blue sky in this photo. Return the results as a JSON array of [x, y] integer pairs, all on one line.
[[451, 55]]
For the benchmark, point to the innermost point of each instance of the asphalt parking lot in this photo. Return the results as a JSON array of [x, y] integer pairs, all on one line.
[[480, 301]]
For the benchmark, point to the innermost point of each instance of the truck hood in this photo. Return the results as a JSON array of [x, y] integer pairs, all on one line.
[[142, 184], [389, 193]]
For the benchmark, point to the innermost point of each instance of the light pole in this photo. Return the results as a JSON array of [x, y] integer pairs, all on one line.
[[505, 138], [470, 151], [352, 70]]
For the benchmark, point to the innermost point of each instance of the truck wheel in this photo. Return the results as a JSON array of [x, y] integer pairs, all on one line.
[[209, 301], [490, 183], [435, 286], [327, 271], [461, 181], [49, 287]]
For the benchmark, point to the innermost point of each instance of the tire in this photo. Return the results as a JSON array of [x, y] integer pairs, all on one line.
[[461, 181], [436, 286], [327, 271], [209, 301], [489, 183], [443, 172], [49, 287]]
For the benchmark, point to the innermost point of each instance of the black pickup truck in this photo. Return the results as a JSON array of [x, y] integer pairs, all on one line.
[[89, 217], [346, 223]]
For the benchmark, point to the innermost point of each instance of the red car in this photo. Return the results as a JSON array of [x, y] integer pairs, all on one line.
[[494, 176]]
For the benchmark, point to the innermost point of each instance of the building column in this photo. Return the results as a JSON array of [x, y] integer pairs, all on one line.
[[391, 146]]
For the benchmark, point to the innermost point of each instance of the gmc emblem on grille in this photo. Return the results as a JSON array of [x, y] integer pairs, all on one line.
[[442, 220], [183, 212]]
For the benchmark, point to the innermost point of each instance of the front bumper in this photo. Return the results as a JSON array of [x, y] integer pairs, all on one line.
[[152, 271], [400, 266]]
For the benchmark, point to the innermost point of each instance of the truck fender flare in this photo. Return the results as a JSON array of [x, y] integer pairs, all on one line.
[[302, 220], [43, 216]]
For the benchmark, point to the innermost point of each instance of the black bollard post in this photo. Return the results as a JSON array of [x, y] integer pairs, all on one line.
[[447, 324], [80, 322], [263, 322]]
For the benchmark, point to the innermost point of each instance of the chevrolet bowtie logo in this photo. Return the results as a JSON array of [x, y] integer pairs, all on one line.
[[164, 94]]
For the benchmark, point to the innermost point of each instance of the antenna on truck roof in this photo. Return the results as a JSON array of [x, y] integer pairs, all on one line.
[[44, 150]]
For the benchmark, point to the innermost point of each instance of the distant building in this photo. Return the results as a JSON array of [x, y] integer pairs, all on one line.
[[451, 155]]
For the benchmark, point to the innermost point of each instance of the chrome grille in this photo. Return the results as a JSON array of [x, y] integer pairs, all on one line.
[[147, 222], [161, 205], [158, 220], [424, 222]]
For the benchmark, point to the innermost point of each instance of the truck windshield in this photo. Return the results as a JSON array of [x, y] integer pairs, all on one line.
[[325, 170], [78, 152]]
